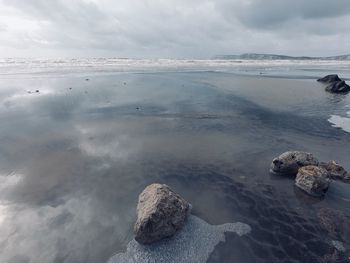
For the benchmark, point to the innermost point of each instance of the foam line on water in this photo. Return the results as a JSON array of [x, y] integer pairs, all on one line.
[[341, 122], [98, 66], [194, 243]]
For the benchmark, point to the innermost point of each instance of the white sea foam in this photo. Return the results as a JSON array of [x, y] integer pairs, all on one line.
[[341, 122], [338, 245], [96, 66], [194, 243]]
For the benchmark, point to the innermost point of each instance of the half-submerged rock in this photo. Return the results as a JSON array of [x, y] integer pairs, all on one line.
[[288, 163], [335, 84], [336, 171], [338, 87], [313, 179], [193, 244], [336, 222], [329, 79], [160, 214]]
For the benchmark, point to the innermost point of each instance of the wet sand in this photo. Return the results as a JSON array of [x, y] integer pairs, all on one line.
[[75, 155]]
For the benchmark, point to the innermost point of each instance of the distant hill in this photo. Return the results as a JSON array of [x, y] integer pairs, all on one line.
[[255, 56]]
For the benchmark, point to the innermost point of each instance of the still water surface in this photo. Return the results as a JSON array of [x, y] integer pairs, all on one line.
[[75, 155]]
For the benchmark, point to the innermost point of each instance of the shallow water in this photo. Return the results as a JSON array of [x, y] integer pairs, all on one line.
[[194, 243], [75, 155]]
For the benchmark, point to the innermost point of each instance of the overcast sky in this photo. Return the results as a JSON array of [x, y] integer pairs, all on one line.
[[172, 28]]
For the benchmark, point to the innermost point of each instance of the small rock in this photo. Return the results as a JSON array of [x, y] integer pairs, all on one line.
[[37, 91], [329, 79], [313, 179], [87, 79], [334, 256], [160, 214], [338, 87], [288, 163], [336, 223], [336, 171]]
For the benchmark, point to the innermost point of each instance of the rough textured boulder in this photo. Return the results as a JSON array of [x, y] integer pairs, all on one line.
[[288, 163], [338, 87], [329, 79], [160, 214], [336, 171], [313, 179]]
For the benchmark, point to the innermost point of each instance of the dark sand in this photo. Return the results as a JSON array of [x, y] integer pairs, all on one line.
[[73, 161]]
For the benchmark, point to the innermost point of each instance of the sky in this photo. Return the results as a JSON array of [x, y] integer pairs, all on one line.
[[173, 28]]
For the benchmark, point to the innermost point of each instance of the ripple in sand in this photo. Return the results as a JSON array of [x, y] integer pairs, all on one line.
[[194, 243]]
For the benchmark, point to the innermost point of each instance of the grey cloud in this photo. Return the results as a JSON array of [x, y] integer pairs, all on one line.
[[274, 13], [69, 22], [141, 27], [176, 28]]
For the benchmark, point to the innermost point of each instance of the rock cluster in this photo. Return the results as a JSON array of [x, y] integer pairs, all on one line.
[[160, 214], [335, 84], [312, 176]]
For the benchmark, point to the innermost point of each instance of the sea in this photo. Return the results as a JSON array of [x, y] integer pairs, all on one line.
[[81, 138]]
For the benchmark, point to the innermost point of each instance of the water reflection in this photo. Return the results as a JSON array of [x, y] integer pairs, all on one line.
[[73, 161]]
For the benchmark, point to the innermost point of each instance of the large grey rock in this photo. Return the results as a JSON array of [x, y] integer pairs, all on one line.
[[288, 163], [160, 214], [336, 171], [338, 87], [313, 179], [329, 79]]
